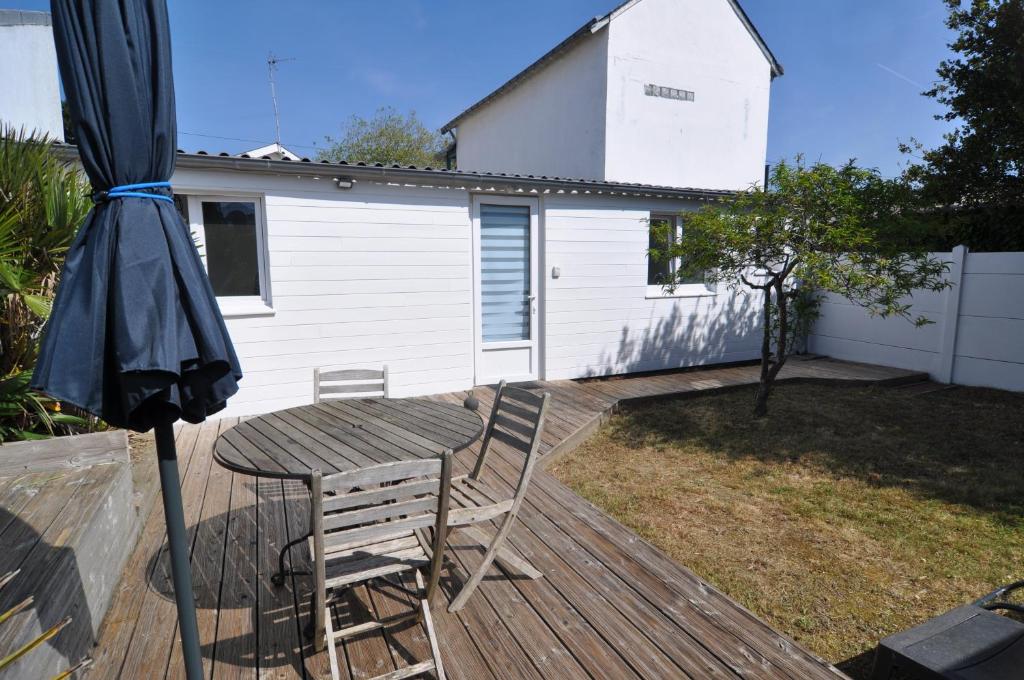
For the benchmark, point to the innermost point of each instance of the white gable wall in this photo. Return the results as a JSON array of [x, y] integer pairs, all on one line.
[[552, 124], [717, 141], [30, 97]]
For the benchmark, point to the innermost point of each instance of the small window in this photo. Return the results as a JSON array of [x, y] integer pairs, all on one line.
[[229, 233], [664, 230], [232, 249]]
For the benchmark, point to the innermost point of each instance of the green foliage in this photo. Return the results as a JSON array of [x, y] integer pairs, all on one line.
[[26, 414], [974, 183], [42, 202], [389, 137], [817, 229]]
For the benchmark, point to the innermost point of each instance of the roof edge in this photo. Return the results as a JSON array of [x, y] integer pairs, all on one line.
[[486, 181], [587, 29], [777, 69], [24, 17]]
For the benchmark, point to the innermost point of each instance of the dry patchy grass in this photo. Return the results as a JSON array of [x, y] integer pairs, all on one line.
[[846, 515]]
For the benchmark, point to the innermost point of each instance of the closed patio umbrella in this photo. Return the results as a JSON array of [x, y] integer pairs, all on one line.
[[135, 336]]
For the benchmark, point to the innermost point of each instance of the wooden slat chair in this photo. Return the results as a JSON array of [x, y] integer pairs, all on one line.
[[350, 383], [371, 528], [517, 420]]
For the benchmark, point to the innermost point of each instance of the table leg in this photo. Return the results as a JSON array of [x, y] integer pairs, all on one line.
[[278, 578]]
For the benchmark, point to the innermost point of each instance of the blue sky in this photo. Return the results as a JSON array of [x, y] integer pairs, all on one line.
[[854, 68]]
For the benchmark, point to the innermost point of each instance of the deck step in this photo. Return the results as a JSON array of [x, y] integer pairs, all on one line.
[[69, 528], [904, 380], [923, 387]]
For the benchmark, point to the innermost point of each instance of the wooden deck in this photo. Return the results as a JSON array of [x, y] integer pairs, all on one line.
[[609, 606]]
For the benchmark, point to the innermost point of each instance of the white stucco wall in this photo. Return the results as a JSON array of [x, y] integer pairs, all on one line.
[[29, 89], [717, 141], [586, 114], [552, 124]]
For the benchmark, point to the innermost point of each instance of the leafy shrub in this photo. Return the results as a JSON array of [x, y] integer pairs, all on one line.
[[42, 201]]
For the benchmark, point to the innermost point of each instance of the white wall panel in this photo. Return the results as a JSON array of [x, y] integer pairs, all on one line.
[[358, 278], [986, 345]]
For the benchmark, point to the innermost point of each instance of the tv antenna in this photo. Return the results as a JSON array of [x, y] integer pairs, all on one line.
[[272, 63]]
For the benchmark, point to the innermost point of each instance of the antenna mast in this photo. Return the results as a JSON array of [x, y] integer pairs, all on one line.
[[272, 63]]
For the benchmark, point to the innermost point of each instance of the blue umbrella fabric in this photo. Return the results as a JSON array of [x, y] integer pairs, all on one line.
[[135, 336]]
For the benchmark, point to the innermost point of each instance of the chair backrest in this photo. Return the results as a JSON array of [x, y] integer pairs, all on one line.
[[517, 420], [370, 505], [350, 383]]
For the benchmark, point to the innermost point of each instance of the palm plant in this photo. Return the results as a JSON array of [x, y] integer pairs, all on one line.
[[42, 201]]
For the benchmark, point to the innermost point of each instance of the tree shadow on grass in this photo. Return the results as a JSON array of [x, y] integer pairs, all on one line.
[[961, 446]]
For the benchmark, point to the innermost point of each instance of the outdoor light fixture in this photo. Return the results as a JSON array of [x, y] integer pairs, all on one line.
[[343, 182]]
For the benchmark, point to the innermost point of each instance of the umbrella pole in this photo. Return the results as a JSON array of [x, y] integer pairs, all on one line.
[[177, 544]]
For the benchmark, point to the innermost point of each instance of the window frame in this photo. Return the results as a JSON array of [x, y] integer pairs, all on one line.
[[234, 305], [683, 290]]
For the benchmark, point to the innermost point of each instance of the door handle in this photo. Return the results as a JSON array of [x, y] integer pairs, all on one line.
[[533, 300]]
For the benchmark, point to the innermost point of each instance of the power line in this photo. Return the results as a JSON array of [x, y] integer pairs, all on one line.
[[261, 142]]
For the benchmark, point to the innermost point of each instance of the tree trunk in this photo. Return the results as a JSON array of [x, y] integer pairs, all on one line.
[[764, 387], [761, 400]]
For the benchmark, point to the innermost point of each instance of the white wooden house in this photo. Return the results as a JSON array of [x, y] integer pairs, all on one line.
[[451, 278], [455, 278]]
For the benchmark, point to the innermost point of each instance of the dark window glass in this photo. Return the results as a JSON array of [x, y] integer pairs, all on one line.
[[232, 258], [659, 270]]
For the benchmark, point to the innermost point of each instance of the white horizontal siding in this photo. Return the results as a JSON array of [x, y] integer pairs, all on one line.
[[361, 277], [598, 319]]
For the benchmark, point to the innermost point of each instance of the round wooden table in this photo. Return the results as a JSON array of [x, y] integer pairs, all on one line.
[[344, 434]]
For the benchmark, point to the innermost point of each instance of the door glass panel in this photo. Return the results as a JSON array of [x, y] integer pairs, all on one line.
[[505, 272]]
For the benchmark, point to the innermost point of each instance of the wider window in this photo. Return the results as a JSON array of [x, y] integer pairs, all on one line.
[[663, 231], [230, 235]]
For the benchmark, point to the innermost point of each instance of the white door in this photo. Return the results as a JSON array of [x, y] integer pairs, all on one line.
[[505, 284]]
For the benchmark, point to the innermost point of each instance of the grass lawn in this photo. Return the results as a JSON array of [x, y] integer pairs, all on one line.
[[847, 514]]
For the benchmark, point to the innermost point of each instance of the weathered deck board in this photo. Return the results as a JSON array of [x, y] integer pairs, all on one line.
[[610, 604]]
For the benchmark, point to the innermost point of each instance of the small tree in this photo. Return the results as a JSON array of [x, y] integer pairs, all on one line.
[[817, 229], [388, 137]]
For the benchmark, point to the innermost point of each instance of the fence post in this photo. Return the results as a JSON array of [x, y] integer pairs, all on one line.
[[951, 317]]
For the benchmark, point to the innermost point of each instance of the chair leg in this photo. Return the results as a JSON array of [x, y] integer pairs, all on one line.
[[428, 624], [492, 550], [332, 648], [504, 557]]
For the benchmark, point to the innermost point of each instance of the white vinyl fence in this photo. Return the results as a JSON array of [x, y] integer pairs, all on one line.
[[977, 337]]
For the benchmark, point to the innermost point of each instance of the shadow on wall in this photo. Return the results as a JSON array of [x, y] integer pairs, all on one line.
[[711, 332], [50, 574]]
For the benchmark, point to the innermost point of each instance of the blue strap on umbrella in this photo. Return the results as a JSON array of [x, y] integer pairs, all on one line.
[[131, 191]]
